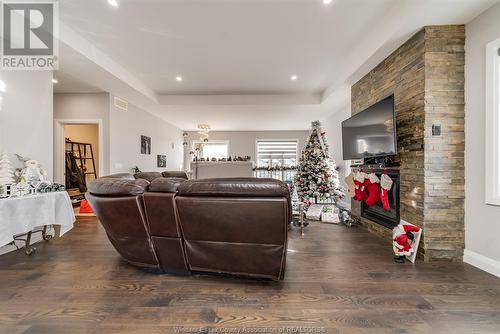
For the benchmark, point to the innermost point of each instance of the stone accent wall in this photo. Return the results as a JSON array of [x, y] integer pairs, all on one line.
[[444, 155], [426, 76]]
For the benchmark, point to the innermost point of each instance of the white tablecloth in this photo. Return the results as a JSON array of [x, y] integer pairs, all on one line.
[[20, 215]]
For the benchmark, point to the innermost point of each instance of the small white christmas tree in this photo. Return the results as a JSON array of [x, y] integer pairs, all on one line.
[[317, 177], [6, 170]]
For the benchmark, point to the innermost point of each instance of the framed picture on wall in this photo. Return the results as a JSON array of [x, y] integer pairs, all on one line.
[[145, 145], [161, 161]]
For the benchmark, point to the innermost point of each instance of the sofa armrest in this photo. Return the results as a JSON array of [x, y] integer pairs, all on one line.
[[165, 185], [175, 174], [234, 187], [112, 187], [149, 176]]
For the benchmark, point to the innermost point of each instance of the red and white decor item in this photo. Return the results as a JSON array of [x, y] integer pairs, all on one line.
[[386, 185], [359, 179], [405, 240], [371, 189], [372, 186]]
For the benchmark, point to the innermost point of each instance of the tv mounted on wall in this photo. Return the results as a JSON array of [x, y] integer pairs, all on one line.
[[371, 133]]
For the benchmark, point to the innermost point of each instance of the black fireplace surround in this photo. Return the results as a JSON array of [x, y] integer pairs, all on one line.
[[376, 213]]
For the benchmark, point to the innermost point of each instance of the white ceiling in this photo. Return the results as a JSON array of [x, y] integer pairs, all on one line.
[[247, 48], [69, 84]]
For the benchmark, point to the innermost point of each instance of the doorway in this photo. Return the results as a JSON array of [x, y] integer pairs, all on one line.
[[82, 154], [79, 155]]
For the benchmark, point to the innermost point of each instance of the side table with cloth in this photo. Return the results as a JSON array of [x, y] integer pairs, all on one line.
[[21, 215]]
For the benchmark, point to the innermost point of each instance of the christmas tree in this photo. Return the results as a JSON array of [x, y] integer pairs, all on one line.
[[6, 170], [317, 178]]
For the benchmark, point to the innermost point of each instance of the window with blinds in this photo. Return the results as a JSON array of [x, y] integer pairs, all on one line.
[[277, 153]]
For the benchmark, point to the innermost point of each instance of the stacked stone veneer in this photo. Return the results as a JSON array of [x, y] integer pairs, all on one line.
[[426, 76]]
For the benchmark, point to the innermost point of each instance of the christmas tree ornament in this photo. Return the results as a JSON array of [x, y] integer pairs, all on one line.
[[372, 184], [386, 185]]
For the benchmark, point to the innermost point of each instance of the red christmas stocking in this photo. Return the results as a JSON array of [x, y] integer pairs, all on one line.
[[386, 185], [372, 184], [359, 178]]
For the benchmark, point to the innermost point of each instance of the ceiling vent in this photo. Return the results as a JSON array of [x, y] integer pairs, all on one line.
[[121, 104]]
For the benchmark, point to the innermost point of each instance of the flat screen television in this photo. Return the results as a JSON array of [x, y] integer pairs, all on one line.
[[370, 133]]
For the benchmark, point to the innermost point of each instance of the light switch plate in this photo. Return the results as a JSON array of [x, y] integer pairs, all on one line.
[[436, 130]]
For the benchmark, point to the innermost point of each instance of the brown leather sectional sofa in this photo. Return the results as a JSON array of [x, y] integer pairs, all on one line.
[[234, 226]]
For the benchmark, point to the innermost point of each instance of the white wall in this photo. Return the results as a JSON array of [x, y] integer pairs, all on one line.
[[482, 222], [122, 131], [90, 106], [26, 116], [242, 143], [126, 128], [332, 125]]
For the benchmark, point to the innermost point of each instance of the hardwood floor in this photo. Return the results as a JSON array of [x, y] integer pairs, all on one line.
[[338, 280]]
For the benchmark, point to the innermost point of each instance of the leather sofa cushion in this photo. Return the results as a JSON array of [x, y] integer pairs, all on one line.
[[123, 176], [149, 176], [235, 187], [175, 174], [165, 185], [112, 187]]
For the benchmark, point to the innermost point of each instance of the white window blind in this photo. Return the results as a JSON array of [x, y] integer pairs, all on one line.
[[274, 153]]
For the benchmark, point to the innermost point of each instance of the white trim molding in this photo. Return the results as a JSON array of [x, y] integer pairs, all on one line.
[[492, 120], [482, 262]]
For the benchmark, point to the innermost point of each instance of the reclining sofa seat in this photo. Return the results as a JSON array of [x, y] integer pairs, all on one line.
[[234, 226], [117, 202], [166, 235], [150, 176]]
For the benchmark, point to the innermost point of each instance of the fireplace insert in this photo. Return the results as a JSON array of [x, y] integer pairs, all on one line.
[[376, 213]]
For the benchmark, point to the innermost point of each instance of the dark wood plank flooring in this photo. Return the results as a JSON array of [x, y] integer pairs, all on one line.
[[338, 280]]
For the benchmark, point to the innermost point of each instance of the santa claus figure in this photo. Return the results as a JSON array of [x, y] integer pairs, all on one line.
[[402, 236]]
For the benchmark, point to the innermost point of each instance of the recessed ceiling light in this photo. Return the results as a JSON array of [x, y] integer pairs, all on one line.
[[113, 3], [54, 81], [178, 78], [293, 78], [327, 2]]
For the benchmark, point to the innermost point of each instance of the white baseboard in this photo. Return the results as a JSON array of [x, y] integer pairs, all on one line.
[[482, 262]]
